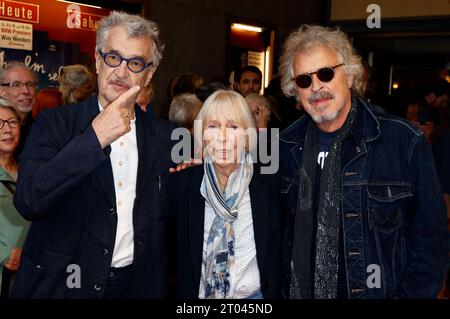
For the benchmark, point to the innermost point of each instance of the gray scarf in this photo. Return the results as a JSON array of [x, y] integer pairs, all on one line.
[[220, 243]]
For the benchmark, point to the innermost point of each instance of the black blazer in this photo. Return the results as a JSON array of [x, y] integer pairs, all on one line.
[[187, 218], [66, 188]]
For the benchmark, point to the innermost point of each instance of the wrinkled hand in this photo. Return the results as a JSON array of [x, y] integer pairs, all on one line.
[[115, 119], [14, 259]]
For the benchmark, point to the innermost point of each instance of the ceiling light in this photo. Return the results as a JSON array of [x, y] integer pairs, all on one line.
[[81, 4], [246, 27]]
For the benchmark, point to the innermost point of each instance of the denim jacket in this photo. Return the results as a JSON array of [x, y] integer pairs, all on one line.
[[393, 216]]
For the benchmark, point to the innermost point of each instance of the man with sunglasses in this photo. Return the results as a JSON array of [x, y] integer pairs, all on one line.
[[366, 216], [92, 181]]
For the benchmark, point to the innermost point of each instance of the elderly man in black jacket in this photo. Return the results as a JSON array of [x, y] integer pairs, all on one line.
[[92, 181]]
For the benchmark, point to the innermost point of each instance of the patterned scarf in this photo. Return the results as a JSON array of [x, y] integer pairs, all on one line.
[[325, 265], [220, 244]]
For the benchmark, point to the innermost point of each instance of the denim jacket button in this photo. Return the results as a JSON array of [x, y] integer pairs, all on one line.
[[354, 253], [357, 290]]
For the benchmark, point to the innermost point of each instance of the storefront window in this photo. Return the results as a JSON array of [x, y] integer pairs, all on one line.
[[47, 34]]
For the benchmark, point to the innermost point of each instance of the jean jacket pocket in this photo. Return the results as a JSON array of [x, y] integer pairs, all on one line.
[[386, 203]]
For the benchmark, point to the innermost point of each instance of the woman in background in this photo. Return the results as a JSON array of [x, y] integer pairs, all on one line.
[[76, 83], [260, 108], [13, 228]]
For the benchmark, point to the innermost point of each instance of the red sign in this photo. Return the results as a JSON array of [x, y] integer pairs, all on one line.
[[20, 11], [63, 21]]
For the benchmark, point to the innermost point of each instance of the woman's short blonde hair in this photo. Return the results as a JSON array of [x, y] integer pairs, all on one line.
[[228, 105]]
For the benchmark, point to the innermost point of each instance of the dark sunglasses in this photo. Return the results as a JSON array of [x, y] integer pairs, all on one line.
[[325, 74]]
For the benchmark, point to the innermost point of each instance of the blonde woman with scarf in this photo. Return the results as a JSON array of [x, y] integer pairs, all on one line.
[[225, 214]]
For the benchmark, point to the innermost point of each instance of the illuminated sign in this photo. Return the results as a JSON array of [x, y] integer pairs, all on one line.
[[19, 11]]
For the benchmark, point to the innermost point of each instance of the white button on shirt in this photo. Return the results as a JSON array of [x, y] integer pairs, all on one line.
[[124, 162]]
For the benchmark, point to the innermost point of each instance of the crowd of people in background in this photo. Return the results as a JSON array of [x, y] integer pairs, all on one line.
[[315, 261]]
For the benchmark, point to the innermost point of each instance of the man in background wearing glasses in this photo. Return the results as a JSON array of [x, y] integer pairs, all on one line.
[[18, 85], [92, 180], [366, 216]]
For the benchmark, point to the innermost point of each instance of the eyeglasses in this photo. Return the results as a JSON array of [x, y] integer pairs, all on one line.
[[12, 123], [325, 74], [135, 65], [17, 85]]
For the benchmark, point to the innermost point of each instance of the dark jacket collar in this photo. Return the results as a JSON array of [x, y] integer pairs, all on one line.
[[367, 125], [93, 103]]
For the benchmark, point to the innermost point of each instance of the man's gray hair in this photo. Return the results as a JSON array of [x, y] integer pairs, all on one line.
[[307, 37], [136, 27], [184, 109], [16, 64]]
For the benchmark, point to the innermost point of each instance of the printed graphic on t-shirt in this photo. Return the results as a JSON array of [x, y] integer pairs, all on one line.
[[321, 158]]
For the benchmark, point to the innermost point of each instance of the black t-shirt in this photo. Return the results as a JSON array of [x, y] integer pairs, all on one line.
[[324, 142]]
